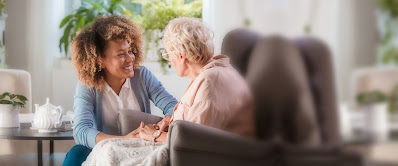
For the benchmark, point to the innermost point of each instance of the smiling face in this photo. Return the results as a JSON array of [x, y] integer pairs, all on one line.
[[118, 61]]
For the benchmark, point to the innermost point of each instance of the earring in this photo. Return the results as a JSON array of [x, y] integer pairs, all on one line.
[[99, 65]]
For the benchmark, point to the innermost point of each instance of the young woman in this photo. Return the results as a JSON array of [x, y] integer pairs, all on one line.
[[107, 56]]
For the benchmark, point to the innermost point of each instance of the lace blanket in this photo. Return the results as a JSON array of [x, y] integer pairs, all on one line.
[[118, 151]]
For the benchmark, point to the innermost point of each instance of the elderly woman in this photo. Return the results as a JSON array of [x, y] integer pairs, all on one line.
[[217, 95], [107, 56]]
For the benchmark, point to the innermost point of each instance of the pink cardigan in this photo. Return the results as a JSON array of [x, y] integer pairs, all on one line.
[[218, 97]]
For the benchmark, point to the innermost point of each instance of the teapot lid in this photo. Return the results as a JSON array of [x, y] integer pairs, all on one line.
[[47, 105]]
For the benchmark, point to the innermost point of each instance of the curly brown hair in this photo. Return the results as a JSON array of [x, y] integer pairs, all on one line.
[[91, 42]]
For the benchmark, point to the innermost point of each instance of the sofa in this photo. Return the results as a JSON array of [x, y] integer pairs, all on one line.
[[296, 120]]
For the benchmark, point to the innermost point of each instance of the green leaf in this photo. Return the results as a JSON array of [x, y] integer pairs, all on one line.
[[6, 93], [20, 104], [5, 102], [98, 6], [80, 23], [67, 34], [371, 97], [12, 96], [2, 96], [114, 2], [22, 98], [65, 20], [125, 10]]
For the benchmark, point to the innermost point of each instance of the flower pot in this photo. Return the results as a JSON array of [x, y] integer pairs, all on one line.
[[9, 115], [376, 122]]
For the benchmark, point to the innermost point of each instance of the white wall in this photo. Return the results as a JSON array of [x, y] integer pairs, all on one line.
[[32, 36], [347, 26]]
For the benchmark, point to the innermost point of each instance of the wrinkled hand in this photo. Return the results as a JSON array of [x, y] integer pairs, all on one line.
[[135, 133], [147, 131], [164, 123]]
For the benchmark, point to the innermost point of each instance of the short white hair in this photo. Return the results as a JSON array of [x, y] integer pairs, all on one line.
[[191, 37]]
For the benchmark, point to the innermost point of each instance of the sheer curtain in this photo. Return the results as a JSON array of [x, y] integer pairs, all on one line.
[[32, 37]]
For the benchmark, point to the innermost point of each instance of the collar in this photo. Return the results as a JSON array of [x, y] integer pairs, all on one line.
[[218, 60], [126, 84]]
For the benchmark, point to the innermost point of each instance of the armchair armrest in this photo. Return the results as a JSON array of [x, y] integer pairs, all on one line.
[[130, 120], [195, 144]]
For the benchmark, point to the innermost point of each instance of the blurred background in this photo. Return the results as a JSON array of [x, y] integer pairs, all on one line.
[[361, 35]]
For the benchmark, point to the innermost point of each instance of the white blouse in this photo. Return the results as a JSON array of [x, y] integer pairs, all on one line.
[[113, 103]]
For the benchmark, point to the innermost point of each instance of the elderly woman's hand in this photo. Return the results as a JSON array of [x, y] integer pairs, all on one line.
[[164, 123], [147, 131], [135, 133]]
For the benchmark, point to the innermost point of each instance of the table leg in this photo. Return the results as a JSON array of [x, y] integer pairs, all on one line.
[[40, 152], [51, 147]]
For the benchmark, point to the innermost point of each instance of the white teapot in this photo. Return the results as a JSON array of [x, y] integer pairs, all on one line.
[[47, 117]]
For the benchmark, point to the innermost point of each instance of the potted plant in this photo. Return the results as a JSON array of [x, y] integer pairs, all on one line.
[[154, 17], [9, 109], [85, 16], [375, 105]]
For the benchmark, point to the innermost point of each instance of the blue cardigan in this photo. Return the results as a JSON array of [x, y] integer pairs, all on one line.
[[88, 105]]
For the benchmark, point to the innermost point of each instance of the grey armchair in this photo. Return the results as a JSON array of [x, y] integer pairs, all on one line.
[[296, 116]]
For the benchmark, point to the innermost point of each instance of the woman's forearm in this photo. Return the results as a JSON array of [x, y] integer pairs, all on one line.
[[102, 136]]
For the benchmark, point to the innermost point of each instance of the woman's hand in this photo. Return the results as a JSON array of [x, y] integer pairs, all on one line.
[[147, 131], [164, 123], [135, 133]]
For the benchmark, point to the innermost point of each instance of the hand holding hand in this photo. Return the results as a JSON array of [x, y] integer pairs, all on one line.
[[164, 123], [147, 131], [135, 133]]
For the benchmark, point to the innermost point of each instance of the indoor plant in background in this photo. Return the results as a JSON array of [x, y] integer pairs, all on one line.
[[3, 18], [387, 23], [151, 15], [85, 16], [378, 108], [9, 109], [153, 18]]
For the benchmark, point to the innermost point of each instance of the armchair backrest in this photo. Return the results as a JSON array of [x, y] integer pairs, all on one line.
[[279, 83], [238, 45], [319, 66], [292, 83]]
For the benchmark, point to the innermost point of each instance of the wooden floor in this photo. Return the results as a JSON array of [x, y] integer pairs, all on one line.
[[30, 159]]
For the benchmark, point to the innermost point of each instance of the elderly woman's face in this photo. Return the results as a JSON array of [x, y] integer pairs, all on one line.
[[119, 60], [175, 61]]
